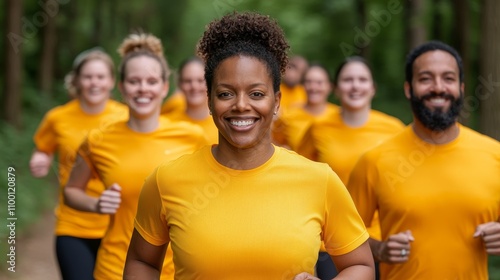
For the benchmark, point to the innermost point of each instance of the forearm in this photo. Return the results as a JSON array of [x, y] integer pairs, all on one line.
[[135, 270], [375, 247], [361, 272], [77, 198]]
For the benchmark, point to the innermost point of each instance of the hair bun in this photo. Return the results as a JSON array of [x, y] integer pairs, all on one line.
[[141, 42]]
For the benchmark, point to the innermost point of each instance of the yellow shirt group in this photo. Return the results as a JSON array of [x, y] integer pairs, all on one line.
[[292, 96], [263, 223], [123, 156], [207, 124], [62, 130], [291, 126]]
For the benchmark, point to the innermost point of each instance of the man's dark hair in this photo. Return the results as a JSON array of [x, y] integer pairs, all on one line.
[[431, 46]]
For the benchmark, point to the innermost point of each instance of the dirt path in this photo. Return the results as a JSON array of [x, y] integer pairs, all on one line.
[[35, 256]]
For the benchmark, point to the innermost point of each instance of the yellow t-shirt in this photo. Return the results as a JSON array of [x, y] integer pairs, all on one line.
[[439, 192], [292, 96], [340, 146], [123, 156], [290, 127], [263, 223], [207, 124], [174, 103], [62, 130]]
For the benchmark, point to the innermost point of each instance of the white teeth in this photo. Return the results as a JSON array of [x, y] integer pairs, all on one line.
[[143, 100], [242, 123], [438, 101], [94, 91]]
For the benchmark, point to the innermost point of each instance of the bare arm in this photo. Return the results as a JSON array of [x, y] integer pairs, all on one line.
[[40, 163], [144, 260], [76, 197], [357, 264]]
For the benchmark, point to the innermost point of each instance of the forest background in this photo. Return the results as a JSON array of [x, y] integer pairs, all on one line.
[[41, 39]]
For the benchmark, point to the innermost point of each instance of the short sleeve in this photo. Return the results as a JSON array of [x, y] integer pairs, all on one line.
[[307, 145], [278, 131], [45, 137], [150, 221], [344, 229], [361, 190]]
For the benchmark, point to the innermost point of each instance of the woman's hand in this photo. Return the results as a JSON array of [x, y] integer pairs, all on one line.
[[40, 164], [110, 200], [305, 276]]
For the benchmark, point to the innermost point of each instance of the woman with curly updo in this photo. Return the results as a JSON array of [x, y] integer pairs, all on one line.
[[252, 210], [126, 152]]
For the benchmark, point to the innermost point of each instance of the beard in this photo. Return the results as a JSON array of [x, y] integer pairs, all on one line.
[[436, 120]]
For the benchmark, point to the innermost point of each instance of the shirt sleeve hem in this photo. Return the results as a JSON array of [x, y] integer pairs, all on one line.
[[349, 247]]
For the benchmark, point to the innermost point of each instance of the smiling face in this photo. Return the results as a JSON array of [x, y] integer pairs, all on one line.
[[192, 84], [243, 102], [436, 92], [143, 88], [317, 85], [355, 87], [95, 82]]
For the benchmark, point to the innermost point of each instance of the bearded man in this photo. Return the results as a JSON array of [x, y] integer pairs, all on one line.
[[436, 185]]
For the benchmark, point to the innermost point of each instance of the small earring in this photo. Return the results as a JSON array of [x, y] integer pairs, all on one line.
[[275, 112], [210, 112]]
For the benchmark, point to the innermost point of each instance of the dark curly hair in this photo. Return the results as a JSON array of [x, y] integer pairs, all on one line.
[[249, 34]]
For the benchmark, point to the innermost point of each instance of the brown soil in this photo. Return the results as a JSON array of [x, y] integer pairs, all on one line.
[[35, 253]]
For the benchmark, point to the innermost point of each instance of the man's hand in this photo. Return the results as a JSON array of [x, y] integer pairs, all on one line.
[[490, 233], [396, 249]]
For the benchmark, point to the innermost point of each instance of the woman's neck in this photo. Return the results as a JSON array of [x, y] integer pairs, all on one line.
[[199, 112], [355, 118], [145, 124], [242, 159], [92, 109], [315, 109]]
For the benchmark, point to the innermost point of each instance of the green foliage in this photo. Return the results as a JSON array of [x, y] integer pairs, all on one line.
[[32, 196], [494, 267]]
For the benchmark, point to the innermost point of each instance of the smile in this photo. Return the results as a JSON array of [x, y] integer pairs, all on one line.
[[142, 100], [242, 123]]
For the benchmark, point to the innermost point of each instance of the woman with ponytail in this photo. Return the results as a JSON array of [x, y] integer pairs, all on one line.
[[124, 154]]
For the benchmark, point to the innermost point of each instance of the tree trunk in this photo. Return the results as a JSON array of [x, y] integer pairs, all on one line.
[[488, 91], [97, 36], [47, 61], [461, 39], [361, 11], [437, 20], [415, 30], [13, 62]]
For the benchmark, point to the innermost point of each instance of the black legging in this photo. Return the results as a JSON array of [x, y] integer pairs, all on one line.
[[76, 257]]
